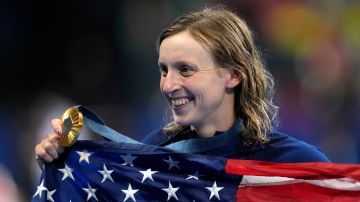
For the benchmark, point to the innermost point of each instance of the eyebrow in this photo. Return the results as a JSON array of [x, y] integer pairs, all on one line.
[[178, 63]]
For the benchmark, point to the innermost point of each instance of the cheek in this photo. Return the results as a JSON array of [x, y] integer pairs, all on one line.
[[200, 89], [211, 90]]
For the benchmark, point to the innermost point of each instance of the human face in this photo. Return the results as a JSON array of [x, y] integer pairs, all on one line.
[[195, 87]]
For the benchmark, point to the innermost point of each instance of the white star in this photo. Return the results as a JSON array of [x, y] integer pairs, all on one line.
[[147, 174], [67, 172], [171, 191], [106, 174], [172, 163], [49, 195], [84, 156], [194, 176], [128, 159], [91, 192], [214, 191], [130, 193], [40, 189]]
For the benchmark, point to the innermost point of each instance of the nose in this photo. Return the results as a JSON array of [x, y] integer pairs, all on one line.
[[170, 83]]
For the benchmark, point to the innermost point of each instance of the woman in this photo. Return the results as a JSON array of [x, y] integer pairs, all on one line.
[[214, 81]]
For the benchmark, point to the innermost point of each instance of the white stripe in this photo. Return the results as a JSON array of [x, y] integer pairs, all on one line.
[[338, 183]]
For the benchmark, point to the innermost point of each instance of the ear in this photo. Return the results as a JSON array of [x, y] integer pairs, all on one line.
[[234, 78]]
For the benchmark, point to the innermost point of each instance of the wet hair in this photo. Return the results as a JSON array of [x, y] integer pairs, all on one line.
[[231, 43]]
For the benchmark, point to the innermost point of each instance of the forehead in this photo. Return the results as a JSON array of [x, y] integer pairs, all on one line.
[[183, 46]]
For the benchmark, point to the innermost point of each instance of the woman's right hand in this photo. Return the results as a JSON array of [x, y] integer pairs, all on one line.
[[49, 148]]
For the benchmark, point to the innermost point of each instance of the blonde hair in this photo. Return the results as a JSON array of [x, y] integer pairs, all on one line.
[[231, 42]]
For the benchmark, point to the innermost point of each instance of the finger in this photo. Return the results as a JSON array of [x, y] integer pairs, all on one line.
[[54, 139], [40, 162], [46, 149], [57, 126], [41, 154], [50, 149], [58, 147]]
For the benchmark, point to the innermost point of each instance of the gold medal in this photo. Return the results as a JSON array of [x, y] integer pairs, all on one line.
[[72, 121]]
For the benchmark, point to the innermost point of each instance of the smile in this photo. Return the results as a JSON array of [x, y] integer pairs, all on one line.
[[178, 102]]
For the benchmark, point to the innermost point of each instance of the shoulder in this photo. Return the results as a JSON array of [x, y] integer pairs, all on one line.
[[289, 149]]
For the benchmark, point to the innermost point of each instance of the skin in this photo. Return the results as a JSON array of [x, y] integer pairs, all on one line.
[[199, 92], [49, 149]]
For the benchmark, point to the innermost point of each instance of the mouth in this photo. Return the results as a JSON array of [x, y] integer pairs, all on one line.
[[177, 103]]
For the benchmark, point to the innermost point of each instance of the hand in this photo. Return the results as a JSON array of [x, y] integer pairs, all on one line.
[[49, 149]]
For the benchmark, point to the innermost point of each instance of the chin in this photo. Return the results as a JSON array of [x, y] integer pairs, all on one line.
[[182, 122]]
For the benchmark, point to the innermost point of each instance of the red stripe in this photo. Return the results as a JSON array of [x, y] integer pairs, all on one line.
[[299, 192], [311, 170]]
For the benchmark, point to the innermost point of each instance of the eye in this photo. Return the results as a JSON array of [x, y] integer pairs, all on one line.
[[186, 70], [163, 70]]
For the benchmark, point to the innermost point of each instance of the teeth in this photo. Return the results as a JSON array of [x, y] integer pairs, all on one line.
[[179, 102]]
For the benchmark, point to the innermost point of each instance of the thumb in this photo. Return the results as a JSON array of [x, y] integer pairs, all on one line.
[[57, 126]]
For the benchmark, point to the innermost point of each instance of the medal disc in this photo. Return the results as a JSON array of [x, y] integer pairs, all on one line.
[[72, 121]]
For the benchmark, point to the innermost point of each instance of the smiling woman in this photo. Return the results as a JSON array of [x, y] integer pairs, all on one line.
[[214, 80], [219, 39], [215, 83], [188, 72]]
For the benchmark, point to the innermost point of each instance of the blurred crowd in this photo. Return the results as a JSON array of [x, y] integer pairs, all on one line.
[[102, 54]]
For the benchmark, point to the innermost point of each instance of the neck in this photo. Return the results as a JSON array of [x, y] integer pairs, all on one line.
[[209, 129], [220, 120]]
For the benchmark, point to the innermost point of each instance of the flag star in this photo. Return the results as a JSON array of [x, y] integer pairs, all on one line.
[[91, 192], [128, 159], [214, 191], [194, 176], [171, 191], [106, 174], [67, 172], [84, 156], [130, 193], [147, 174], [40, 189], [172, 163], [49, 195]]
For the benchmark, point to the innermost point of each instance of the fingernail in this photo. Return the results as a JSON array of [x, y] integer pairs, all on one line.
[[58, 131]]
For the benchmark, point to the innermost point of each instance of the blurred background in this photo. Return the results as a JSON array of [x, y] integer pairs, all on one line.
[[102, 54]]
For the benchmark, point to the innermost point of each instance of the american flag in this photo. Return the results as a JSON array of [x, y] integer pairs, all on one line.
[[110, 171]]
